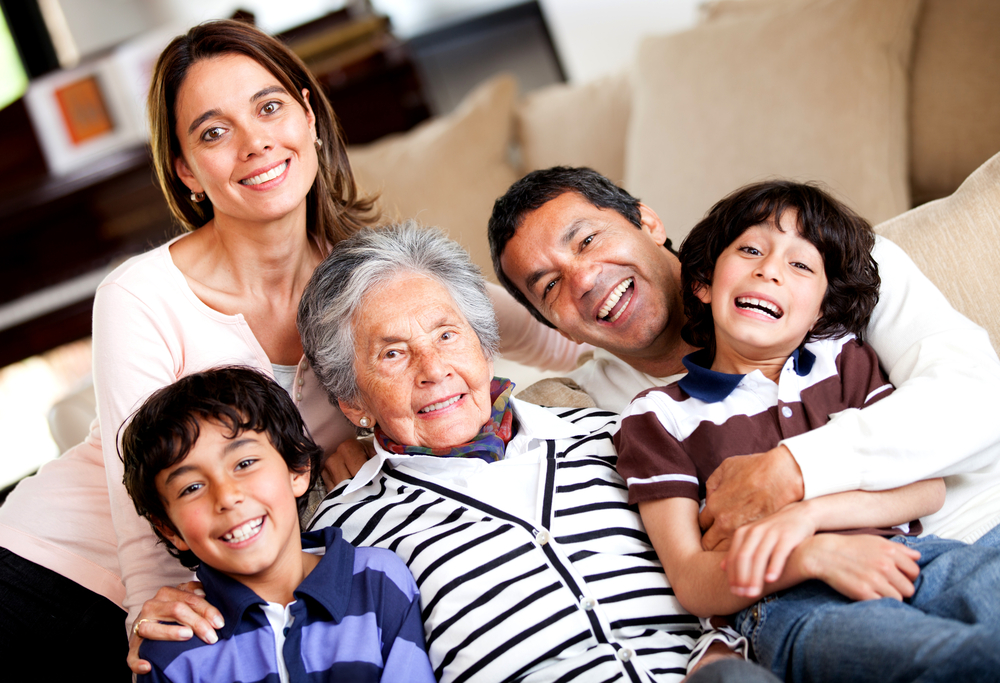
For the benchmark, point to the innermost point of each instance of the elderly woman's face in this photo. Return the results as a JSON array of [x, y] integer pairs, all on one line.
[[421, 372]]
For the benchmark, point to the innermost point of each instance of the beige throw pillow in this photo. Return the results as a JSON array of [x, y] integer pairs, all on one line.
[[447, 171], [955, 93], [804, 89], [576, 125], [955, 241]]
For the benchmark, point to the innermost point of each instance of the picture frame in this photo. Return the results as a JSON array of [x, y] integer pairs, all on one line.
[[82, 114]]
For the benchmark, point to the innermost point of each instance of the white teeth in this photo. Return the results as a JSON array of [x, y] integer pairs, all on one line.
[[613, 299], [764, 306], [264, 177], [439, 406], [244, 531]]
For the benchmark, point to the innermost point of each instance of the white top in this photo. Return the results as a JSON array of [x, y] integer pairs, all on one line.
[[942, 420]]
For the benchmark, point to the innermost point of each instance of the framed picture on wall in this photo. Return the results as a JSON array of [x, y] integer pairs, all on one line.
[[82, 114]]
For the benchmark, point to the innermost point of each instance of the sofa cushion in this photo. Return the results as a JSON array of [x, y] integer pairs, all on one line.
[[447, 171], [955, 241], [809, 90], [576, 125], [954, 96]]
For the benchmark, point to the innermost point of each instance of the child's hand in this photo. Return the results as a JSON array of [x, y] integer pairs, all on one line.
[[861, 567], [760, 549]]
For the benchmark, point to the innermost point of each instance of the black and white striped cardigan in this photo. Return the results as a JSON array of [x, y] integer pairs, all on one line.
[[580, 595]]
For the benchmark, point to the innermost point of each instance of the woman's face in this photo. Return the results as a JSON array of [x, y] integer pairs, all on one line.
[[245, 142], [421, 371]]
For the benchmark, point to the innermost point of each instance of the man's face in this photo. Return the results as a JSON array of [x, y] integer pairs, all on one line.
[[597, 277]]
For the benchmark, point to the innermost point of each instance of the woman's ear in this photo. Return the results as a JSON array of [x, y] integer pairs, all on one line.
[[187, 177], [310, 116], [354, 413]]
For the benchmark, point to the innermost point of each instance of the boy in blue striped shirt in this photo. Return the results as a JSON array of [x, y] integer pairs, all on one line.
[[219, 463]]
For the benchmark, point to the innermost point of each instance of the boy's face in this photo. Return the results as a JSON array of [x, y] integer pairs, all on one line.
[[232, 502], [766, 293]]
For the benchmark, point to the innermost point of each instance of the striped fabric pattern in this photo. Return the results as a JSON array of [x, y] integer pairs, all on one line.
[[578, 596]]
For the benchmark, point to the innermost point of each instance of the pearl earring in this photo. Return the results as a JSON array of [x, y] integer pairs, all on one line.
[[364, 422], [197, 197]]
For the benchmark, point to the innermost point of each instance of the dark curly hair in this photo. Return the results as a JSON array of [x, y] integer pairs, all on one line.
[[540, 187], [165, 429], [843, 238]]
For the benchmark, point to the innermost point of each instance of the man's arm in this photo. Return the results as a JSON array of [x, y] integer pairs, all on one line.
[[945, 372]]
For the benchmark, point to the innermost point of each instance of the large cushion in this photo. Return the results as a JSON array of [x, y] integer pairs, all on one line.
[[955, 93], [956, 242], [448, 171], [576, 125], [809, 90]]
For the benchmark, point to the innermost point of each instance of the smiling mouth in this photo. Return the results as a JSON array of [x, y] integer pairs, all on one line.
[[765, 307], [267, 175], [244, 531], [440, 406], [617, 301]]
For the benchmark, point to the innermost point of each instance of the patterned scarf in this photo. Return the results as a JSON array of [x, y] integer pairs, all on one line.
[[488, 444]]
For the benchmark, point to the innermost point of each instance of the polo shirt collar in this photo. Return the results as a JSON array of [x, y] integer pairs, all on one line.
[[710, 386], [233, 599]]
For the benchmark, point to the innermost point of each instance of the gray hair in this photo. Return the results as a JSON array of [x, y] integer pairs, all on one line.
[[370, 259]]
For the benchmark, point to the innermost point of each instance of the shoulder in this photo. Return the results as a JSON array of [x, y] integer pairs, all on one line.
[[387, 563]]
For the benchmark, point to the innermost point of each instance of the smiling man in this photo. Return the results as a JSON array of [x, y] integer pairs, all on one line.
[[590, 260]]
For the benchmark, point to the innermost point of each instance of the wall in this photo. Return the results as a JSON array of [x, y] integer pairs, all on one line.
[[599, 37]]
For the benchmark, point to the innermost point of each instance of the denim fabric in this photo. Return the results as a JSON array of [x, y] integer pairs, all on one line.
[[948, 631], [732, 671]]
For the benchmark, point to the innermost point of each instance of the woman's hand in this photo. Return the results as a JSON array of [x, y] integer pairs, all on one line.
[[861, 567], [345, 462], [184, 605], [760, 549]]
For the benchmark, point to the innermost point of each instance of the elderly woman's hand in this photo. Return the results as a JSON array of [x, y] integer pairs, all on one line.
[[345, 462], [184, 605]]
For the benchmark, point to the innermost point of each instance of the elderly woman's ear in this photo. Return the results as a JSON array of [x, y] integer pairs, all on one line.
[[358, 416]]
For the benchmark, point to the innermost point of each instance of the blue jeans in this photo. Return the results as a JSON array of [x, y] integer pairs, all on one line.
[[948, 631]]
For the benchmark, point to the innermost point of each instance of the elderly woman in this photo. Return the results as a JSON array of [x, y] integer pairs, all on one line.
[[511, 516]]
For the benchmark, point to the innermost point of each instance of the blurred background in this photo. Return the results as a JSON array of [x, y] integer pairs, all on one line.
[[77, 192]]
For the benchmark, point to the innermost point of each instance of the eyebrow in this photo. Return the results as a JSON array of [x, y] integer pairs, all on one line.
[[233, 445], [269, 90], [565, 238]]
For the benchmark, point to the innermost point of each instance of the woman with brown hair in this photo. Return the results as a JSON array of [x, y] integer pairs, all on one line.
[[253, 166]]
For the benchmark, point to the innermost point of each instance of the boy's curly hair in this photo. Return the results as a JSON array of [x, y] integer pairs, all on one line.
[[843, 238]]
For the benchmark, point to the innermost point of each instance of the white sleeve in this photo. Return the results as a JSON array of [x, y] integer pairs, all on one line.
[[527, 341], [132, 358], [941, 419]]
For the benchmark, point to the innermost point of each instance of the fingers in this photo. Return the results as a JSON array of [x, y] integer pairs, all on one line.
[[183, 606], [137, 665]]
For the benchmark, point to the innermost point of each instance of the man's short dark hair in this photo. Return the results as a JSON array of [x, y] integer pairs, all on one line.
[[540, 187], [165, 429], [843, 238]]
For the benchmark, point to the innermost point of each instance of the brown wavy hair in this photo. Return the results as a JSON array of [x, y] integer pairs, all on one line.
[[843, 238], [335, 208]]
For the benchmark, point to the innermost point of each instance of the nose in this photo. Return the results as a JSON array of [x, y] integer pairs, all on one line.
[[255, 140], [769, 268], [582, 278], [228, 494], [432, 366]]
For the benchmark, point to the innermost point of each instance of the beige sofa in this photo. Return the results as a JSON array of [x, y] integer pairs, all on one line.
[[890, 102]]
